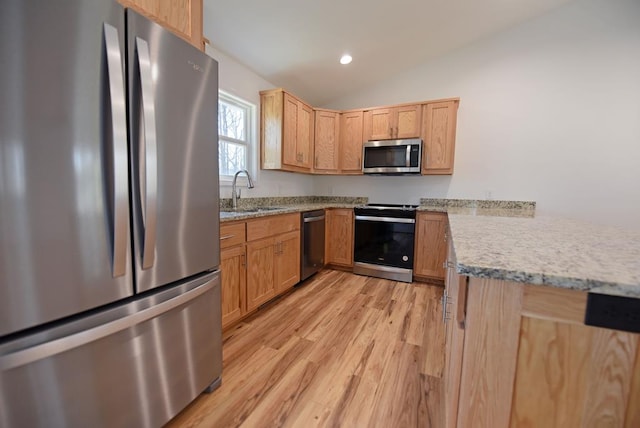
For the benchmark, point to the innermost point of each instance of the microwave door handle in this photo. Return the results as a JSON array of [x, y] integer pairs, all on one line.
[[118, 169], [408, 156]]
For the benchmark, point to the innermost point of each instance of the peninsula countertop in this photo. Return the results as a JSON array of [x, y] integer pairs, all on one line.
[[546, 250]]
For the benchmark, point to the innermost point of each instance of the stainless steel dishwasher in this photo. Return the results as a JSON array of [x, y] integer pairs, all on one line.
[[311, 243]]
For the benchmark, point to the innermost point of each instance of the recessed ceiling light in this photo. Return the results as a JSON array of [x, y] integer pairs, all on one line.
[[346, 59]]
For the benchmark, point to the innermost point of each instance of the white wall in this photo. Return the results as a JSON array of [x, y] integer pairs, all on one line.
[[238, 80], [549, 111]]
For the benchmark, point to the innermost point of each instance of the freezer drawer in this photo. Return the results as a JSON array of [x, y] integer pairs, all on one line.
[[134, 365]]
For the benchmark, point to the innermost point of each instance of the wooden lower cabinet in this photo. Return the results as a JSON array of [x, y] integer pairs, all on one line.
[[273, 257], [233, 268], [233, 272], [259, 259], [287, 261], [430, 245], [261, 286], [454, 304], [339, 237], [529, 361]]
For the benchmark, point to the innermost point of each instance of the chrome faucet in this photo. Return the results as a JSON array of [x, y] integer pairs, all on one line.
[[235, 193]]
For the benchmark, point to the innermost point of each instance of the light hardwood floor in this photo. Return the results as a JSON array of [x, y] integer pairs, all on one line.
[[339, 351]]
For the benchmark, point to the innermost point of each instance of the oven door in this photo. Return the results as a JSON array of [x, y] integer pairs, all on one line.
[[384, 241]]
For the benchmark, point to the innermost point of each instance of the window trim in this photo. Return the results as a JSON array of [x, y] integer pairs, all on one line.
[[250, 143]]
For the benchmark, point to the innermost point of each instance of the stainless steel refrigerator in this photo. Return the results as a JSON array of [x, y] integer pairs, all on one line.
[[109, 222]]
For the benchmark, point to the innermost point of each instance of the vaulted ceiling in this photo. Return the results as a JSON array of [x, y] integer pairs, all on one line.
[[297, 44]]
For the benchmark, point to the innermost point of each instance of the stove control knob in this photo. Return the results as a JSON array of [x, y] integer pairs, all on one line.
[[405, 258]]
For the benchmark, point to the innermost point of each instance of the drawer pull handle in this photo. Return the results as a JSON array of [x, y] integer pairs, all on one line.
[[222, 238]]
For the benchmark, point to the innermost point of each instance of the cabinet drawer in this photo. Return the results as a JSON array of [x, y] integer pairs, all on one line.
[[272, 225], [232, 234]]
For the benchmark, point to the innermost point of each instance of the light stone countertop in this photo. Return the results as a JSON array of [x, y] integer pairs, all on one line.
[[283, 205], [547, 250], [230, 215], [507, 240]]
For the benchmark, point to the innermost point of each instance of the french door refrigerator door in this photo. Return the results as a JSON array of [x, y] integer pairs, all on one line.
[[173, 108], [135, 365], [64, 208]]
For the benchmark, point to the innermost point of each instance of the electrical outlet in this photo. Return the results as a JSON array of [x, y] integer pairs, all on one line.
[[614, 312], [488, 194]]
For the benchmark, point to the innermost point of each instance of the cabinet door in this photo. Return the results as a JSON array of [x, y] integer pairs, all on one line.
[[290, 153], [271, 129], [304, 140], [183, 17], [326, 142], [287, 261], [351, 140], [430, 246], [455, 289], [407, 121], [379, 124], [260, 272], [233, 289], [439, 137], [339, 237]]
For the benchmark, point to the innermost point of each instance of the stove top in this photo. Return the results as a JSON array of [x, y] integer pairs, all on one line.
[[386, 210], [403, 207]]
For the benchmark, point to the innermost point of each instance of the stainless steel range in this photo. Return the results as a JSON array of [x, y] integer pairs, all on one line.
[[384, 241]]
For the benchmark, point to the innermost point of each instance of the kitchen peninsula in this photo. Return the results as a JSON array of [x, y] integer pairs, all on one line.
[[518, 350]]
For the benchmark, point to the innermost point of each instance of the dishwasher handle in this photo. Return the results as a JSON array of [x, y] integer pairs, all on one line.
[[311, 219]]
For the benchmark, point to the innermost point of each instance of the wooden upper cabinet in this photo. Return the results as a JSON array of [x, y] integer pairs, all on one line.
[[295, 137], [351, 139], [393, 122], [326, 141], [408, 121], [439, 137], [379, 124], [286, 132], [183, 17]]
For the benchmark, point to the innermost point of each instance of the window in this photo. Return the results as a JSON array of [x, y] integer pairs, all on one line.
[[235, 136]]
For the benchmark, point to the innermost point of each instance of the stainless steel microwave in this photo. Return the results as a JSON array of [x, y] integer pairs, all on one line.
[[392, 156]]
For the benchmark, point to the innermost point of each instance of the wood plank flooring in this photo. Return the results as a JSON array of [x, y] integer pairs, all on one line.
[[341, 350]]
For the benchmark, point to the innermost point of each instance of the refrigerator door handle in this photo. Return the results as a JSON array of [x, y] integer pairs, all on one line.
[[57, 346], [119, 178], [149, 161]]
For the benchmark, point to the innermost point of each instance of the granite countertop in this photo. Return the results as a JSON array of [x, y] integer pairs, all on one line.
[[282, 205], [516, 244], [508, 240]]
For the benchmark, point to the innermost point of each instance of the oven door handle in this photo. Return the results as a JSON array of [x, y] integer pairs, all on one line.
[[386, 219]]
